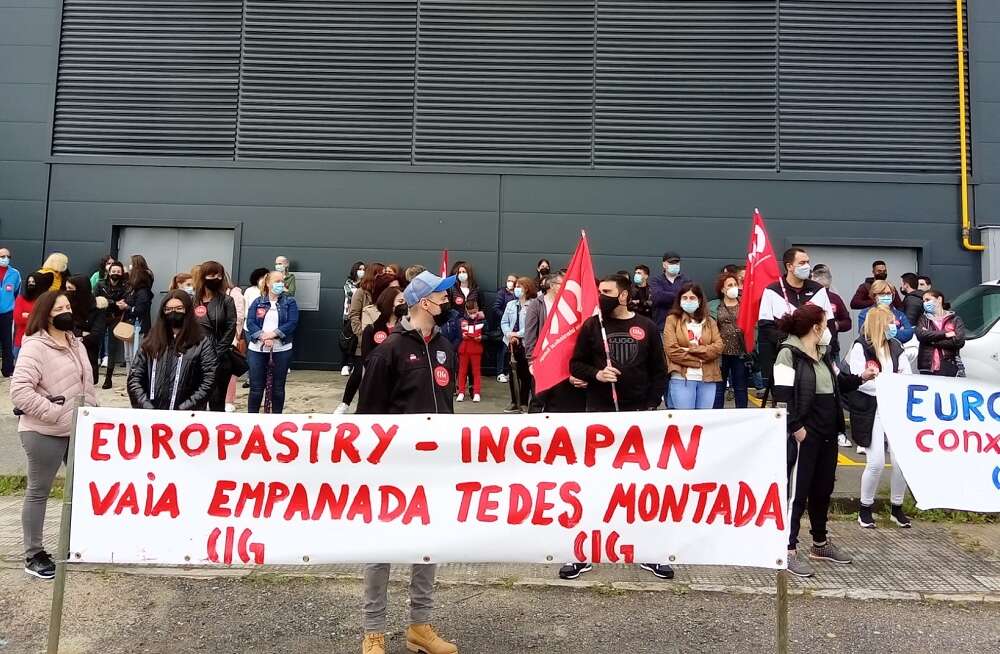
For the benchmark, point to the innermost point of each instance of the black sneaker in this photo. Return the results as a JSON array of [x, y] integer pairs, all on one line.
[[41, 566], [865, 518], [897, 516], [659, 570], [574, 570], [513, 408]]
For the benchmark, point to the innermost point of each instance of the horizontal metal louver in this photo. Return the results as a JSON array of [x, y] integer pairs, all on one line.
[[869, 86], [148, 78], [505, 81], [686, 84], [328, 79]]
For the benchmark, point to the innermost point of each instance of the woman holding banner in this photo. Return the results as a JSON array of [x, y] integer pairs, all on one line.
[[942, 336], [877, 346], [806, 383], [175, 366], [52, 377]]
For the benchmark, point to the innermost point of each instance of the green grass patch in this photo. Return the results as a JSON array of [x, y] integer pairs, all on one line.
[[18, 484], [944, 516]]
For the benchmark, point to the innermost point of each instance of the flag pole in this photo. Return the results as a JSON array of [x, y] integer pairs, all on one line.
[[604, 338]]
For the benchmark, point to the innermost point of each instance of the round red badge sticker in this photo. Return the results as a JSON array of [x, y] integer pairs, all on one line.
[[442, 376], [261, 312], [638, 333], [380, 337], [200, 311], [459, 300]]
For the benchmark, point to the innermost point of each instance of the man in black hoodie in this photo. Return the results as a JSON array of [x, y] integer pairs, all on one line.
[[913, 298], [412, 371]]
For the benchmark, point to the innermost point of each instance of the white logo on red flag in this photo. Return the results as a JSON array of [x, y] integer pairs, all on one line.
[[762, 271]]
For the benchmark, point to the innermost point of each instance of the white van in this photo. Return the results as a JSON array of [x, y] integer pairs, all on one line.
[[979, 308]]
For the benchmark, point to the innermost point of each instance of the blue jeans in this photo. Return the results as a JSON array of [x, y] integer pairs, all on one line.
[[503, 360], [257, 361], [735, 372], [686, 394]]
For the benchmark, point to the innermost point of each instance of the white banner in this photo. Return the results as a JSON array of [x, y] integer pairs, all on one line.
[[945, 436], [691, 487]]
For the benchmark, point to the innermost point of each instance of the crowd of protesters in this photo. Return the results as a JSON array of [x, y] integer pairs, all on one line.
[[658, 340]]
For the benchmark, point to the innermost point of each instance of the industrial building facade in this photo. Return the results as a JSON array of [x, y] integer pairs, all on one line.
[[333, 130]]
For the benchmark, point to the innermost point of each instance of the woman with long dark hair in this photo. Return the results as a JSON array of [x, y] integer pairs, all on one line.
[[114, 289], [693, 347], [138, 304], [89, 318], [349, 342], [175, 366], [51, 378], [466, 287], [362, 298], [102, 271], [806, 382], [733, 361], [942, 336], [215, 312], [391, 309]]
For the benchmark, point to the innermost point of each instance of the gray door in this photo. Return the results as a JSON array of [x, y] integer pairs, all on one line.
[[169, 251]]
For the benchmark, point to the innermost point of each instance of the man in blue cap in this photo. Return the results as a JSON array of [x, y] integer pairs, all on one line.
[[412, 371]]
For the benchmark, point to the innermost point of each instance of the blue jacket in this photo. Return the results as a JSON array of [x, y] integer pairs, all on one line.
[[510, 316], [8, 290], [904, 330], [662, 291], [500, 304], [288, 318]]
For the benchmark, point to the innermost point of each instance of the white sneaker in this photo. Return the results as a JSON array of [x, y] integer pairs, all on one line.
[[460, 398], [230, 408], [861, 450], [104, 362], [342, 409], [345, 371], [502, 378], [842, 441], [476, 398]]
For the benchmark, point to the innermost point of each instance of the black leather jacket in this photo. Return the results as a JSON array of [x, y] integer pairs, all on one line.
[[151, 382], [218, 324]]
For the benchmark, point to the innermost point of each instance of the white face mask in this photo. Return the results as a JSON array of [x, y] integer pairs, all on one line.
[[732, 292], [826, 337]]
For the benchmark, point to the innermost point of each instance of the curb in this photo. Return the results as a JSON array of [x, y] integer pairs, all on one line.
[[612, 588]]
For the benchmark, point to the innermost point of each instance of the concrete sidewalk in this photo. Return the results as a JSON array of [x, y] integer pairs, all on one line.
[[928, 562]]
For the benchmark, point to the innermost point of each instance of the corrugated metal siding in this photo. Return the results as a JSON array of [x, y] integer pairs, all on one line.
[[144, 78], [686, 84], [505, 81], [328, 80], [869, 86]]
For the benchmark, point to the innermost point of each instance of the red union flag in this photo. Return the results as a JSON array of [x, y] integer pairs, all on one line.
[[577, 301], [444, 263], [762, 271]]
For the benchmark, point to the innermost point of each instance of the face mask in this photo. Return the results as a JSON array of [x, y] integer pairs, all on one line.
[[690, 306], [884, 300], [463, 277], [360, 274], [400, 310], [673, 269], [518, 292], [63, 322], [802, 272], [4, 261], [638, 279], [881, 276], [890, 331], [825, 337], [280, 267], [189, 290], [174, 320], [115, 278], [608, 304], [510, 286], [214, 285], [544, 270], [930, 308], [442, 317], [278, 288], [732, 293]]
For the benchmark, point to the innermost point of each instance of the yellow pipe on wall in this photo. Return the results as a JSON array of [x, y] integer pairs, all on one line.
[[962, 135]]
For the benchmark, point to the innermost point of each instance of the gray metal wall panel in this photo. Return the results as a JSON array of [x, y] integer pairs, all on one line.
[[25, 102], [26, 64], [24, 141], [28, 25]]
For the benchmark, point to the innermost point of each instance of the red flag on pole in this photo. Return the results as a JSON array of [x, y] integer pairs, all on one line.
[[577, 301], [444, 263], [762, 271]]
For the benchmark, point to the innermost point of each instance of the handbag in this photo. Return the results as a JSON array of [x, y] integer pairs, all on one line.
[[237, 363], [124, 331], [348, 339]]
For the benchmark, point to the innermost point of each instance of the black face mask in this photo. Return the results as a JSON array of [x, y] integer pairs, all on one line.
[[400, 311], [543, 271], [63, 322], [115, 278], [442, 317], [174, 320], [214, 285], [608, 305]]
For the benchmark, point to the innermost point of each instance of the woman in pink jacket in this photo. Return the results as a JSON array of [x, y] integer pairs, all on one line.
[[51, 378]]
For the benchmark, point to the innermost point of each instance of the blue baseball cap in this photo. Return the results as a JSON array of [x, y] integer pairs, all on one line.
[[424, 284]]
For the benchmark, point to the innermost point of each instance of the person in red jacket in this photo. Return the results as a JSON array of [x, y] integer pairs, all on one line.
[[34, 285], [470, 351]]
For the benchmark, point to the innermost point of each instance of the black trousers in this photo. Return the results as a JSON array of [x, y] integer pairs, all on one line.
[[817, 473], [561, 398], [524, 380], [353, 382], [7, 343], [223, 372]]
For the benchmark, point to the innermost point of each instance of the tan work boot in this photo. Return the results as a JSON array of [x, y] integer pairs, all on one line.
[[373, 644], [422, 638]]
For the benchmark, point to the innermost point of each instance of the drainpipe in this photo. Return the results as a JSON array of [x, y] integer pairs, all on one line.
[[962, 135]]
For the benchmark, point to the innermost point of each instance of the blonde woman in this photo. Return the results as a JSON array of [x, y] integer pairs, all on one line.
[[878, 347], [57, 265]]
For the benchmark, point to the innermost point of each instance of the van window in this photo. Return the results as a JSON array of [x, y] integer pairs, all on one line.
[[979, 309]]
